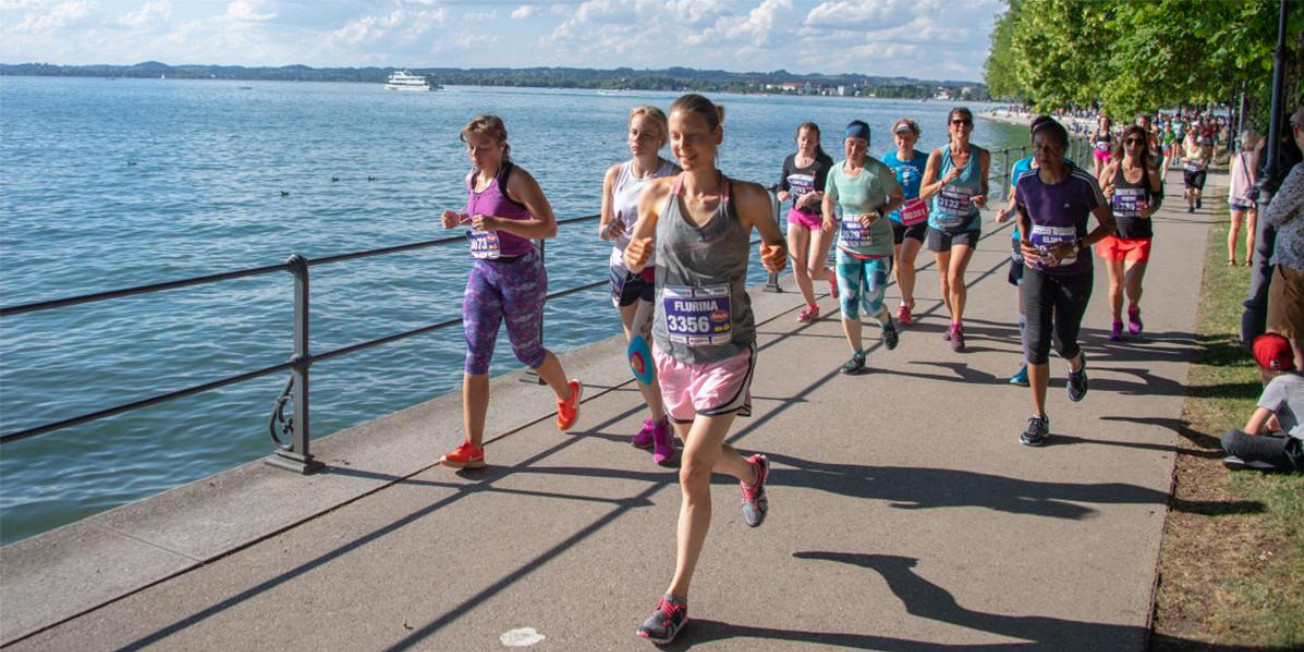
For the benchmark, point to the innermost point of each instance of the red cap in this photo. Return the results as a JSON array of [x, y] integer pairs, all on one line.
[[1273, 353]]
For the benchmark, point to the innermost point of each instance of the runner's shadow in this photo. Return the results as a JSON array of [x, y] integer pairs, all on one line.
[[926, 488]]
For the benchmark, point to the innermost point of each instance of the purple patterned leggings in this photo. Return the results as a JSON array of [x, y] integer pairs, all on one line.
[[512, 290]]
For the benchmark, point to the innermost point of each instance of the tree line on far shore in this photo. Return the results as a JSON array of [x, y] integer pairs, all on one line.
[[1130, 56], [670, 79]]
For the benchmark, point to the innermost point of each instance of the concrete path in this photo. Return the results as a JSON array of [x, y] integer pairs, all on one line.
[[904, 513]]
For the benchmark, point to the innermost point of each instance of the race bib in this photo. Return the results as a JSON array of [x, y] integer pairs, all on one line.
[[913, 212], [1193, 166], [853, 234], [698, 316], [1102, 146], [800, 184], [1128, 202], [484, 244], [954, 204], [1043, 237]]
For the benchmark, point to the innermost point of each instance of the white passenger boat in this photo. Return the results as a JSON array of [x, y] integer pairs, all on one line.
[[402, 80]]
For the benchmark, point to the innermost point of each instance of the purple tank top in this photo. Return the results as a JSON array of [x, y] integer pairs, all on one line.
[[494, 201]]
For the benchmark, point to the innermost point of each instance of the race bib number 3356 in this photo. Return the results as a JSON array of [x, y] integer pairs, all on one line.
[[698, 316]]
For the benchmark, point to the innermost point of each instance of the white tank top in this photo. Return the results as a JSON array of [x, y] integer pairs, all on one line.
[[624, 204]]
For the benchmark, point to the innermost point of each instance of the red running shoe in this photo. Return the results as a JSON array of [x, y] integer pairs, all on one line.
[[903, 315], [568, 409], [466, 456]]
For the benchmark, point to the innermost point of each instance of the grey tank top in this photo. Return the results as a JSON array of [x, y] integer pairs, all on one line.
[[703, 313]]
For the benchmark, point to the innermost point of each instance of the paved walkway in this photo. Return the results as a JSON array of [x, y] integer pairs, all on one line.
[[904, 513]]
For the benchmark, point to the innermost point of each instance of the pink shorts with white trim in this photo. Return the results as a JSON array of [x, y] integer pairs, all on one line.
[[709, 389]]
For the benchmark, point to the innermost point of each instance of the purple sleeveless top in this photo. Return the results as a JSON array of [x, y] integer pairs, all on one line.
[[494, 201]]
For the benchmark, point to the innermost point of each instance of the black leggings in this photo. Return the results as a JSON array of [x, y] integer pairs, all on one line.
[[1062, 297]]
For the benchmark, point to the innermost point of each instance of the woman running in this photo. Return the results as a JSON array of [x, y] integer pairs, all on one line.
[[1244, 210], [1102, 142], [802, 181], [956, 181], [505, 209], [632, 294], [704, 335], [1135, 190], [1195, 167], [866, 190], [910, 222], [1054, 204]]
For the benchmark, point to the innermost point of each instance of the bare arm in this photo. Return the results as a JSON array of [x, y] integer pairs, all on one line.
[[930, 185], [755, 210], [1258, 420], [984, 167], [607, 214]]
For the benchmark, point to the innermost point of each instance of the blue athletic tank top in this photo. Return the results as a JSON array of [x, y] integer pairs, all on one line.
[[953, 209]]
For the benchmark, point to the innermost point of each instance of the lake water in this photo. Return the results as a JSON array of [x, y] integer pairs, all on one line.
[[114, 183]]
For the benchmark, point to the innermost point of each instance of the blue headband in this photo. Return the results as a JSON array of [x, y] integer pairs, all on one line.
[[857, 129]]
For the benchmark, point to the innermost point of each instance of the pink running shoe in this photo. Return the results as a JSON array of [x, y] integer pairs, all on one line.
[[833, 284], [903, 315], [645, 436], [1134, 320], [1116, 332], [663, 448], [811, 313], [957, 338]]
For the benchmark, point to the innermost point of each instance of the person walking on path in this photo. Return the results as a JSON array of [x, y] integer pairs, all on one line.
[[704, 334], [910, 222], [802, 181], [956, 182], [632, 294], [1195, 167], [1102, 142], [866, 190], [1286, 215], [505, 210], [1244, 210], [1054, 204], [1135, 190]]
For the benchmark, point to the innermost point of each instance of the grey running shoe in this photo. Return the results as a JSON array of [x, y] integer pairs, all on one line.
[[1077, 384], [661, 627], [1037, 431], [890, 337], [1236, 464], [855, 365], [755, 503]]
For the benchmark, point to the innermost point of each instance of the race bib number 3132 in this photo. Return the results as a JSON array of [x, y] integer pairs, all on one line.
[[698, 316]]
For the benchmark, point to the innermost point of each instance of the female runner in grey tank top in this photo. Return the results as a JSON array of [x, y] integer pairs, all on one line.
[[704, 335]]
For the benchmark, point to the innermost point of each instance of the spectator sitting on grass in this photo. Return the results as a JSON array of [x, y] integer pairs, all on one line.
[[1277, 415]]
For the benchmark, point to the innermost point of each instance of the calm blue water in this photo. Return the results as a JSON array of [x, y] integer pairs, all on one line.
[[110, 184]]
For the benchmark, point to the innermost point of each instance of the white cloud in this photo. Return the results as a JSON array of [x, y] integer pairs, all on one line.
[[524, 11], [150, 15], [481, 16], [20, 5], [64, 14], [249, 11], [846, 14]]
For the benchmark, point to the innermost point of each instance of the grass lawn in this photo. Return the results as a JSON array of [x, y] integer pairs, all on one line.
[[1231, 572]]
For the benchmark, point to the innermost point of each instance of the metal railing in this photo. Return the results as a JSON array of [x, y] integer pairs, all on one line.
[[291, 433]]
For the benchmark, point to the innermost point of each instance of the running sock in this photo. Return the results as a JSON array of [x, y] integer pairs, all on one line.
[[859, 352]]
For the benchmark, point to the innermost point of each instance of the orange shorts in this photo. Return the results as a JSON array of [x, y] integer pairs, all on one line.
[[1116, 248]]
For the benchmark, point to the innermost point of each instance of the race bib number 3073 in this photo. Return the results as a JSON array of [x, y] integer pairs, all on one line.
[[698, 316], [484, 244]]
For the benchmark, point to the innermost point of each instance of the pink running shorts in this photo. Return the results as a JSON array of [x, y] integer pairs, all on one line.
[[710, 389]]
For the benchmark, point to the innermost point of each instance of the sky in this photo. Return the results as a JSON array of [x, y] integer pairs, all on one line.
[[924, 39]]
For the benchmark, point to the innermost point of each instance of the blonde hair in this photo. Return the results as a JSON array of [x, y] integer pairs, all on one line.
[[491, 126], [655, 115]]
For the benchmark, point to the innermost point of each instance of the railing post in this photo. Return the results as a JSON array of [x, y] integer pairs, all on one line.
[[772, 285], [1005, 174], [296, 457]]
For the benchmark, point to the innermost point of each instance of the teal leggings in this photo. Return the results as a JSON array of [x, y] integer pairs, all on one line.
[[862, 283]]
